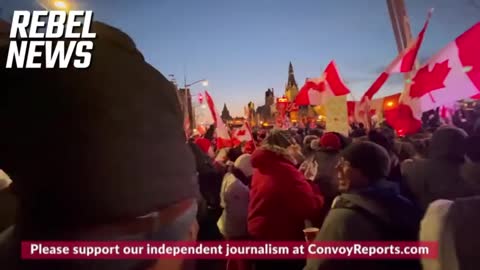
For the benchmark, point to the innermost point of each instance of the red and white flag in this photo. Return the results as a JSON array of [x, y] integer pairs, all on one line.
[[242, 134], [451, 75], [223, 136], [317, 91], [404, 62]]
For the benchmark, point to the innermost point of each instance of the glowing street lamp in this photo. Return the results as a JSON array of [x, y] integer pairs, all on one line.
[[186, 97], [203, 81], [55, 4], [59, 4]]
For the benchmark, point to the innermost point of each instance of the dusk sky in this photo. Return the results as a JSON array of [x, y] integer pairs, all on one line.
[[244, 47]]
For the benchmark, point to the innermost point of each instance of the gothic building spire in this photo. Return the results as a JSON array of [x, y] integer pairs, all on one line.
[[226, 113], [291, 89], [291, 77]]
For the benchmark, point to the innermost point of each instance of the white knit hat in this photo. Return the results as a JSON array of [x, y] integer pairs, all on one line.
[[244, 163], [5, 180]]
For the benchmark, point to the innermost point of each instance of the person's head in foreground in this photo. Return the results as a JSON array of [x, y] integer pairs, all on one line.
[[242, 168], [283, 143], [330, 142], [97, 154], [362, 165], [307, 149], [449, 144], [369, 209], [382, 138]]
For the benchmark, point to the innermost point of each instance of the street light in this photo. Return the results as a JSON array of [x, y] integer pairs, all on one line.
[[55, 4], [59, 4], [185, 98], [204, 83]]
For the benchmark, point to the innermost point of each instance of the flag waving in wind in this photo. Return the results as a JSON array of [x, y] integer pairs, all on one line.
[[450, 75], [317, 91], [404, 62], [406, 59], [242, 134], [223, 137]]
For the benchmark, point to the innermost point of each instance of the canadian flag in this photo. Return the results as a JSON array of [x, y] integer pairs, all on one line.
[[451, 75], [317, 91], [404, 62], [242, 134], [223, 136]]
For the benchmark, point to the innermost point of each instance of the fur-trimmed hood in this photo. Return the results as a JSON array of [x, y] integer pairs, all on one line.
[[267, 155]]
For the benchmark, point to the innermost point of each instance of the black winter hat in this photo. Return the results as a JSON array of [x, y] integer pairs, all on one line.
[[94, 145], [371, 159], [448, 143], [381, 138]]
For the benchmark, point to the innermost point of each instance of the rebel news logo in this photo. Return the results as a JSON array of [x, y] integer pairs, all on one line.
[[50, 39]]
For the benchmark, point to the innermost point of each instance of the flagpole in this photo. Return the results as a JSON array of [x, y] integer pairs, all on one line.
[[408, 36], [401, 26], [393, 18]]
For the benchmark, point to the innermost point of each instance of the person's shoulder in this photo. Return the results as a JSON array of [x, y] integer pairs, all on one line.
[[341, 215], [229, 178], [410, 166], [344, 209], [433, 222], [286, 171], [236, 184], [437, 210], [346, 224]]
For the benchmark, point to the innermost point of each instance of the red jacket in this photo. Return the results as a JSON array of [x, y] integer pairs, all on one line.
[[281, 199]]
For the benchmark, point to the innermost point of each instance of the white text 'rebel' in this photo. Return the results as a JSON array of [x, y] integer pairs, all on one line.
[[50, 39]]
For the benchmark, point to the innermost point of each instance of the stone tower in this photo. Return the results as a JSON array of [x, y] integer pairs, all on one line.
[[226, 114], [264, 112], [269, 97], [291, 89]]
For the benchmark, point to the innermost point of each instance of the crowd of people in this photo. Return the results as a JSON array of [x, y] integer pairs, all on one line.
[[369, 186], [100, 154]]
